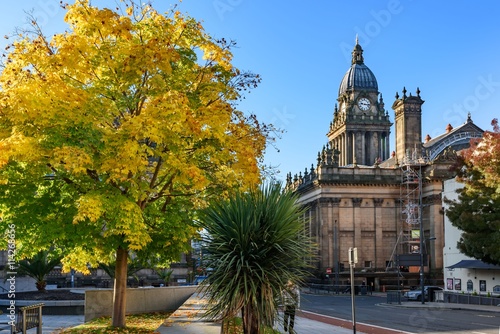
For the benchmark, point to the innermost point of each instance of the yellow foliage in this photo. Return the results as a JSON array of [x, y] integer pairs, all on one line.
[[89, 208], [121, 110], [80, 259], [19, 147], [72, 159]]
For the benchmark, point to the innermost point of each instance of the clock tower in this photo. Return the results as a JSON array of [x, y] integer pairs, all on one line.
[[360, 128]]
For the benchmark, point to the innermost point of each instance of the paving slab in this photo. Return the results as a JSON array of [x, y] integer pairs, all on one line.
[[188, 319]]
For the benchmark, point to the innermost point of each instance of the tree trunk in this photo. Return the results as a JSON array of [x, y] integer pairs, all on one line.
[[120, 289], [41, 285], [250, 321]]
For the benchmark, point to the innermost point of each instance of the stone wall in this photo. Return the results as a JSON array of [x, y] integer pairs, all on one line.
[[99, 303]]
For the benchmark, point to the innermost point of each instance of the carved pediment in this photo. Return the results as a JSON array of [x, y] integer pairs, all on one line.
[[447, 156]]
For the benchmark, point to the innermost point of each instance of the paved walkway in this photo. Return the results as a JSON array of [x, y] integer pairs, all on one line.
[[187, 320], [53, 324]]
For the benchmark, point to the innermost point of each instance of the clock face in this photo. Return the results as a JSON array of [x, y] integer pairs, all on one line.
[[364, 104]]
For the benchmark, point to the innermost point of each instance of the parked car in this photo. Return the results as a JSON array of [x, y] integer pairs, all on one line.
[[417, 293]]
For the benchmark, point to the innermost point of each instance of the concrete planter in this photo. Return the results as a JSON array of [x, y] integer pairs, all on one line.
[[99, 303]]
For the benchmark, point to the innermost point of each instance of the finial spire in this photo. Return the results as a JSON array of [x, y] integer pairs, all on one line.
[[357, 53], [357, 40]]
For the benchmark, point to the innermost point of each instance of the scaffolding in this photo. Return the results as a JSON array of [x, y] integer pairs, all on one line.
[[410, 193], [408, 240]]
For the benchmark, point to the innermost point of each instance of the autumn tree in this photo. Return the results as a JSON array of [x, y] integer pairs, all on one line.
[[113, 134], [476, 212]]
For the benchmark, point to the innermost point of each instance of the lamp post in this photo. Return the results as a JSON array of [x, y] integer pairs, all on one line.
[[336, 258], [353, 259]]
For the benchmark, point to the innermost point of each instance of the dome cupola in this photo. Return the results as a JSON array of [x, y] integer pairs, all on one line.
[[359, 76]]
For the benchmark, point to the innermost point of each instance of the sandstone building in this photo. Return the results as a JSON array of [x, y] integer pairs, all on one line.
[[360, 194]]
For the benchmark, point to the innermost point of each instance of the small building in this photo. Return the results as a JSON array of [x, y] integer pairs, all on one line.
[[463, 274]]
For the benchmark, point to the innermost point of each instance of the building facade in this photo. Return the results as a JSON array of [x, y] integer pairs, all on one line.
[[358, 194]]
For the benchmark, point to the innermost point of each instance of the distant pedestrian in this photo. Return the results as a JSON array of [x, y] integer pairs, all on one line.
[[291, 300]]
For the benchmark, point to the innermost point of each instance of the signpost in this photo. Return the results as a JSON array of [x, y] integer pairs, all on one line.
[[353, 259]]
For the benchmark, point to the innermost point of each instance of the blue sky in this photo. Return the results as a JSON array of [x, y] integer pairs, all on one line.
[[450, 50]]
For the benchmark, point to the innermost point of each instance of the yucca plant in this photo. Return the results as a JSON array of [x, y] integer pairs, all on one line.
[[256, 244], [38, 267]]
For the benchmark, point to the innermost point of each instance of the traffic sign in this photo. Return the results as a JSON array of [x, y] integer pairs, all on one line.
[[353, 255]]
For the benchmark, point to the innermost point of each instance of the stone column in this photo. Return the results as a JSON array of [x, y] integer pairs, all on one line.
[[354, 146], [342, 149], [433, 204], [348, 150], [333, 216], [347, 147], [379, 261], [387, 146], [375, 148], [339, 147], [319, 232], [356, 207], [381, 147], [363, 148], [329, 241]]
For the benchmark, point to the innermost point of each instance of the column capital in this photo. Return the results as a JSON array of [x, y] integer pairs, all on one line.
[[356, 201]]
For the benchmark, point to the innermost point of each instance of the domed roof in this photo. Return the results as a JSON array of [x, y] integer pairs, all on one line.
[[359, 76]]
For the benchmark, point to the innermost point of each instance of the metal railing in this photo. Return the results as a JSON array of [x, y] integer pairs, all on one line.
[[394, 297], [467, 298]]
